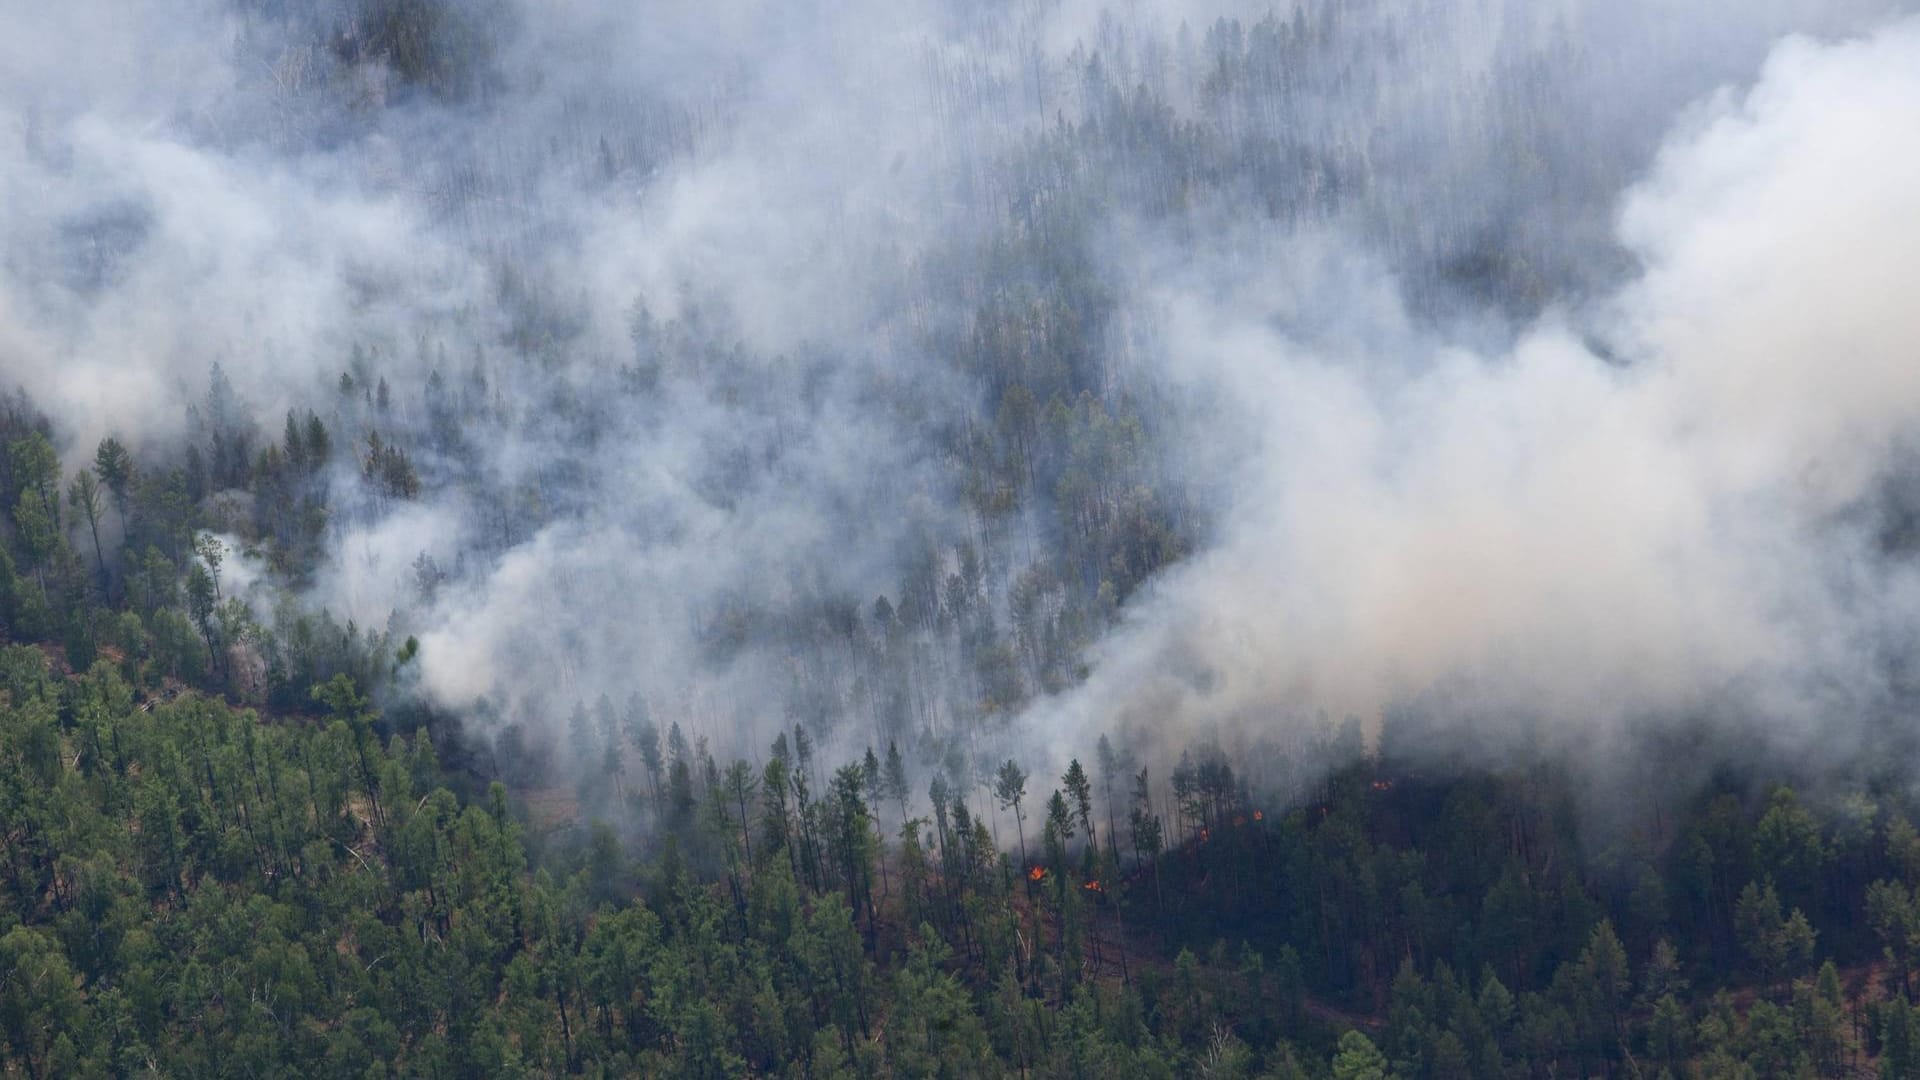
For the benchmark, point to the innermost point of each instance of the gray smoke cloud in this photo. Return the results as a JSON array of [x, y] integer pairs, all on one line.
[[1557, 378]]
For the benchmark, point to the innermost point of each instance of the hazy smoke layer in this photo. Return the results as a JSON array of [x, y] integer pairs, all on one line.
[[1512, 359]]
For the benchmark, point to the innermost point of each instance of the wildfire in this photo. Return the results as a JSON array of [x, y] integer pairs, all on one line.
[[1259, 816], [1036, 873], [1094, 885]]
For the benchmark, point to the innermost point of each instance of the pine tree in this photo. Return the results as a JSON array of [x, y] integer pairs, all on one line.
[[1010, 788]]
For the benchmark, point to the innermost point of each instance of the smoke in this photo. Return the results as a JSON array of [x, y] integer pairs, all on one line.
[[1487, 353], [1679, 522]]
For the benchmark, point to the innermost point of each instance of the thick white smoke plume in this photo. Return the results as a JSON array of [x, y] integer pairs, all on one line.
[[1681, 520]]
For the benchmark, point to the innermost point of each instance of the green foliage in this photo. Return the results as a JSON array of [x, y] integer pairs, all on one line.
[[187, 886], [194, 890], [1358, 1059]]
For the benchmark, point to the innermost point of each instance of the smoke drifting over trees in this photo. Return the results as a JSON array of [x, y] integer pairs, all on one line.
[[1371, 538], [981, 376]]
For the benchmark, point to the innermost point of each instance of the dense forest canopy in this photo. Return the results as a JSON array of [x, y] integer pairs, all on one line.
[[934, 538]]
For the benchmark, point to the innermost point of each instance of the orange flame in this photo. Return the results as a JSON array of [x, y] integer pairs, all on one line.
[[1094, 885], [1259, 816], [1036, 873]]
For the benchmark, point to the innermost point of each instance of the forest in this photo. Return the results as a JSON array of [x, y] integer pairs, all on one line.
[[194, 889], [931, 539]]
